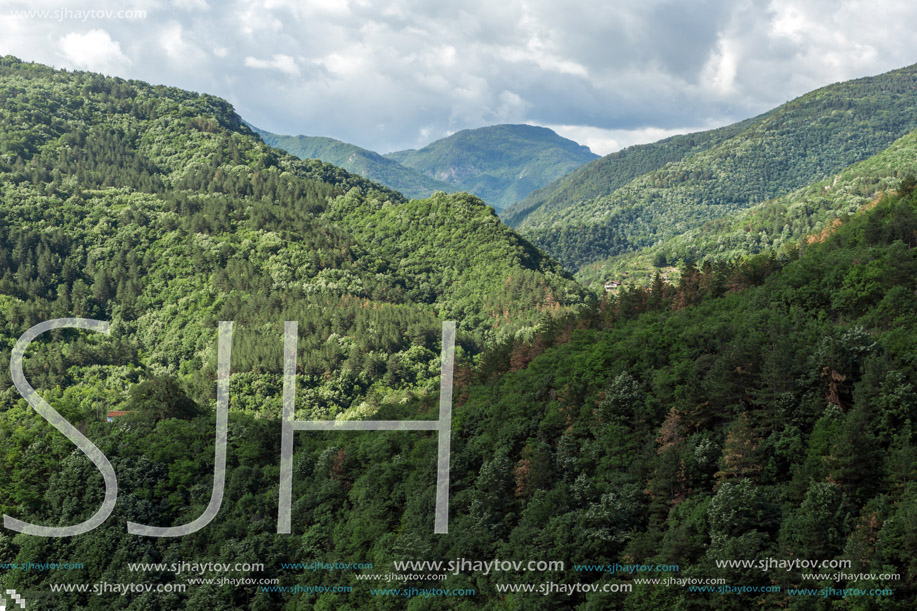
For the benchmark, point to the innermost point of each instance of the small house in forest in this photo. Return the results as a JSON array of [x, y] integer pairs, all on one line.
[[612, 285]]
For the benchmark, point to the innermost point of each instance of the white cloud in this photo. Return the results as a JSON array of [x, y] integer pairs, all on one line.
[[256, 19], [389, 75], [346, 64], [94, 50], [535, 52], [511, 108], [605, 141], [16, 34], [177, 47], [720, 72], [540, 48], [331, 7], [188, 5], [281, 62]]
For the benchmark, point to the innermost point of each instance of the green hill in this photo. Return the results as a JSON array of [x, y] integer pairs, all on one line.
[[159, 210], [808, 139], [487, 262], [770, 226], [500, 164], [360, 161], [755, 412], [602, 176], [761, 410]]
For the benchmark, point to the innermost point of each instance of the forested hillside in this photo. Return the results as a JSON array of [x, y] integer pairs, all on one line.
[[808, 139], [758, 410], [493, 278], [802, 215], [606, 174], [754, 411], [156, 209], [501, 163], [369, 164]]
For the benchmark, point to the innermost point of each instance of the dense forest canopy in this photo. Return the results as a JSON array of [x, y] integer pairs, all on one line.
[[357, 160], [500, 163], [649, 194], [756, 409], [772, 226]]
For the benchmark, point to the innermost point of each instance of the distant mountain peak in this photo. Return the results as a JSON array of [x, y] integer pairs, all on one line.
[[500, 163], [647, 194]]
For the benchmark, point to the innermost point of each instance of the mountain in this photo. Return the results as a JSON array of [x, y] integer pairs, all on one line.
[[500, 164], [765, 408], [486, 262], [749, 409], [803, 141], [159, 210], [772, 226], [605, 174], [756, 411], [352, 158]]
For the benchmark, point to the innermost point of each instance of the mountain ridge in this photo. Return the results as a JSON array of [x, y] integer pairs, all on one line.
[[773, 225], [499, 163], [592, 180], [123, 200], [805, 140], [366, 163]]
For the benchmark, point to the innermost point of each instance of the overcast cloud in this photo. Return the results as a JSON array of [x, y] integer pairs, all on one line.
[[399, 74]]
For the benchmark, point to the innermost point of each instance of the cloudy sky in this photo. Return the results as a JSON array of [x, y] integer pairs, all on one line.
[[401, 73]]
